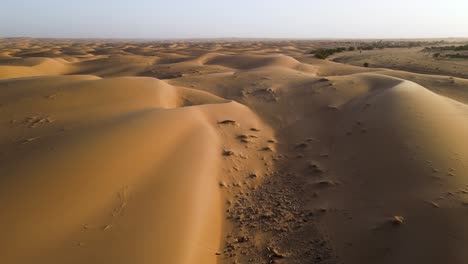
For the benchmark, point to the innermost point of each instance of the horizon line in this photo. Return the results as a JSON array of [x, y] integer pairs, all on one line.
[[235, 38]]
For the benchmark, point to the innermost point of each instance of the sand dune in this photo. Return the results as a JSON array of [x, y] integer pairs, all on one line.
[[226, 152], [250, 61], [93, 180], [420, 133], [32, 67]]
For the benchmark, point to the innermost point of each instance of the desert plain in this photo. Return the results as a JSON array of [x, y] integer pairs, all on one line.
[[233, 151]]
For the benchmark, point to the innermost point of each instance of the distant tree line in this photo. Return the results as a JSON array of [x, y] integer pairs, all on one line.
[[442, 51], [446, 48], [324, 53]]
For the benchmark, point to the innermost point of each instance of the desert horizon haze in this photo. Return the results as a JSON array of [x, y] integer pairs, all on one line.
[[233, 132], [221, 19]]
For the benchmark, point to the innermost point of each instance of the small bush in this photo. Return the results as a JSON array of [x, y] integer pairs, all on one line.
[[458, 56], [351, 48], [366, 64], [325, 53], [465, 47]]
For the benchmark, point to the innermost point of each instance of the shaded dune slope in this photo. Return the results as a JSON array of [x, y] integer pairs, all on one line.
[[411, 162]]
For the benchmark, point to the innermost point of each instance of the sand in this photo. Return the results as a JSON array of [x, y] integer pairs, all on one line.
[[230, 152]]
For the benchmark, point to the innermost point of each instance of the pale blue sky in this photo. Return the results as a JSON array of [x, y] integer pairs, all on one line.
[[234, 18]]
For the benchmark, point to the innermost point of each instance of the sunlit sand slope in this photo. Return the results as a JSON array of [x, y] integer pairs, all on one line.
[[110, 171]]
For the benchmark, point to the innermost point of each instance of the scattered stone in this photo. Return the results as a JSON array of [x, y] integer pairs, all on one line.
[[242, 239], [326, 183], [266, 149], [242, 136], [333, 107], [323, 210], [315, 167], [25, 141], [253, 175], [227, 122], [397, 220], [301, 145], [255, 129], [37, 120], [228, 153], [245, 140], [274, 254]]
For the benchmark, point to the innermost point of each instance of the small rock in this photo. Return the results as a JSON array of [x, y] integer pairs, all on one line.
[[397, 220], [242, 137], [274, 253], [228, 153], [242, 239], [253, 175], [316, 167], [266, 149], [227, 122], [301, 145], [326, 183]]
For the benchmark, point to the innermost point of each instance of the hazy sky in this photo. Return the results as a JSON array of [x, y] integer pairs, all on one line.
[[234, 18]]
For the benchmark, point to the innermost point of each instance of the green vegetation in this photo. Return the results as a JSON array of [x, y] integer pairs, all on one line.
[[445, 48], [458, 56], [444, 51], [366, 64], [325, 53]]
